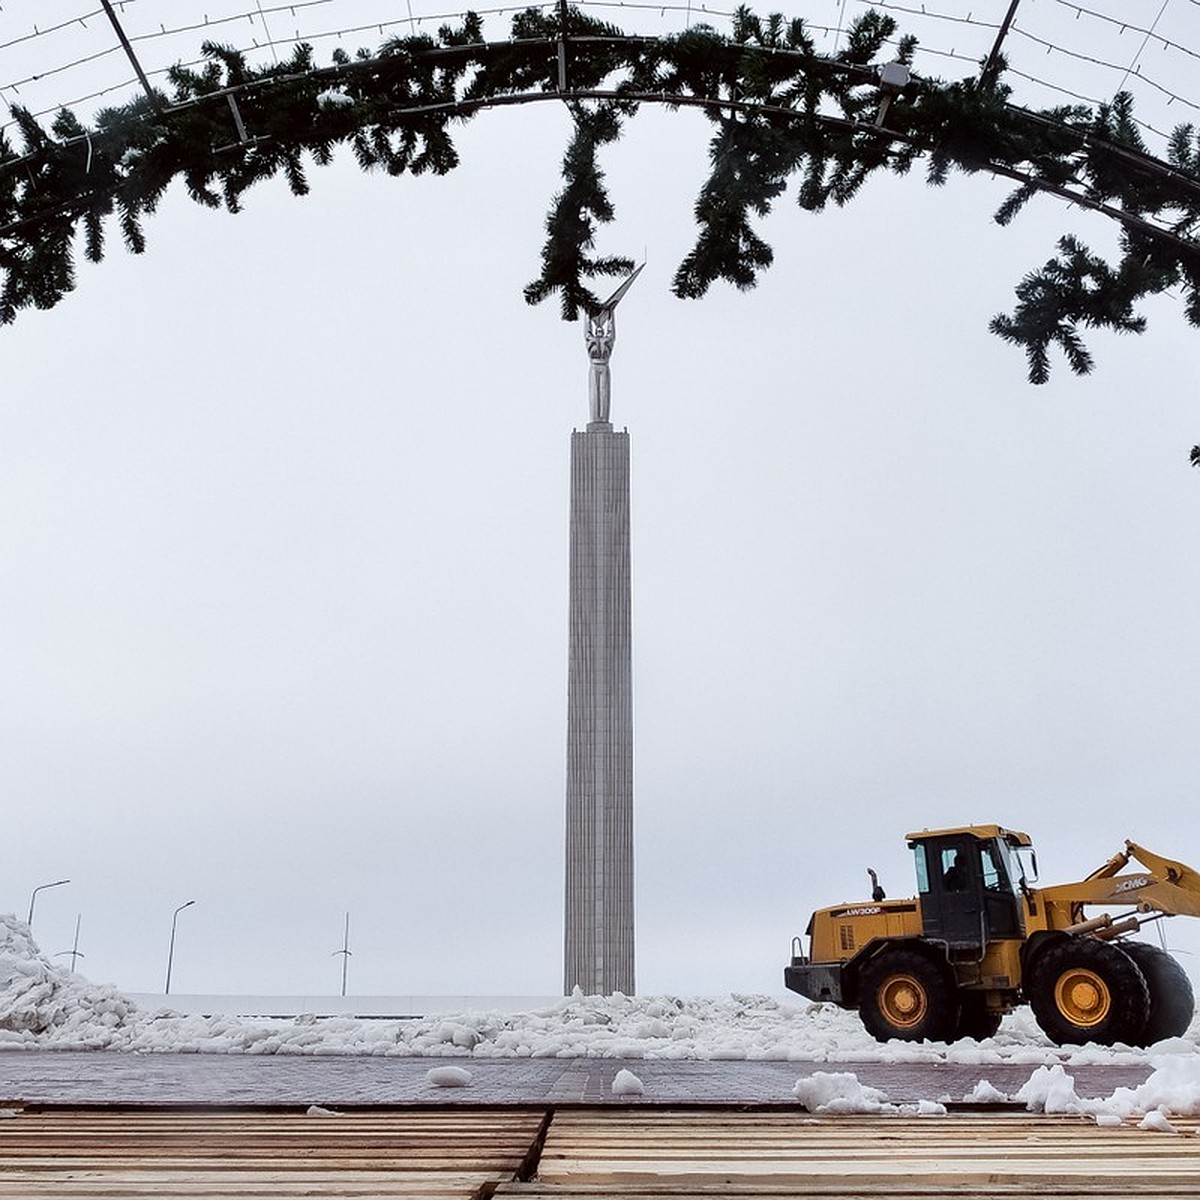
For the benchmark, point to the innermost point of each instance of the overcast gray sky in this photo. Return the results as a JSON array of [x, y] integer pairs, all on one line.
[[283, 566]]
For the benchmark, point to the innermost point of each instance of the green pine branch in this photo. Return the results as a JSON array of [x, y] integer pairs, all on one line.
[[783, 116], [577, 209]]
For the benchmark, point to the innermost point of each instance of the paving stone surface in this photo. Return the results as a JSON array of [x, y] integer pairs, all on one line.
[[111, 1077]]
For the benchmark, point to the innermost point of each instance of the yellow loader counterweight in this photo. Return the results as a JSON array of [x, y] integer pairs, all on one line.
[[979, 939]]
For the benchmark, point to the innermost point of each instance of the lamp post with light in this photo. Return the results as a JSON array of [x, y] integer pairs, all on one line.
[[41, 887], [171, 949]]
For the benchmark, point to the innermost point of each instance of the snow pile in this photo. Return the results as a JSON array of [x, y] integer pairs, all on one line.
[[840, 1093], [41, 1000], [1173, 1088]]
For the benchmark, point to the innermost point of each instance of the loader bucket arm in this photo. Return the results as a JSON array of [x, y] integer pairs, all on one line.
[[1166, 886], [1177, 873]]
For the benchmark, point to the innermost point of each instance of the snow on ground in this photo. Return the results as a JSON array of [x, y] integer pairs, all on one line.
[[45, 1006], [40, 1000]]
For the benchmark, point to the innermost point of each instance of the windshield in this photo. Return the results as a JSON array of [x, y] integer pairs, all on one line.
[[1014, 865]]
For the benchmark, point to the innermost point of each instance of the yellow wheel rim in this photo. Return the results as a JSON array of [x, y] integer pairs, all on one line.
[[1082, 997], [903, 1001]]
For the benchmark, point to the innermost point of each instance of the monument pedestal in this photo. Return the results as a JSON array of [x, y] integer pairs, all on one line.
[[599, 827]]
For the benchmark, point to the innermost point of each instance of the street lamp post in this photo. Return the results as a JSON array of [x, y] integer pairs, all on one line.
[[41, 887], [171, 950]]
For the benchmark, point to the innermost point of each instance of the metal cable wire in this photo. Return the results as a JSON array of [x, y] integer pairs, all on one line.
[[1166, 42], [1145, 42], [1050, 46], [922, 11], [37, 32], [248, 16], [1053, 87]]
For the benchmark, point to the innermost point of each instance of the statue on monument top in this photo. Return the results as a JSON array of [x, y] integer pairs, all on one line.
[[601, 335]]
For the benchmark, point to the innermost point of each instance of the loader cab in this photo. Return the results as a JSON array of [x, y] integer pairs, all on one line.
[[968, 885]]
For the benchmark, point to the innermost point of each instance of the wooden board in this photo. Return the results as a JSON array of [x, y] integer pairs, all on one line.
[[193, 1155], [645, 1151]]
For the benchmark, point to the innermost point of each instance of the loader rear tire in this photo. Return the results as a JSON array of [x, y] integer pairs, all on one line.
[[903, 994], [1084, 990], [1172, 1004]]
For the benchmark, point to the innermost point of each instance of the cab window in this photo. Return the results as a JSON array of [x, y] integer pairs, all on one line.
[[954, 878], [921, 867], [994, 876]]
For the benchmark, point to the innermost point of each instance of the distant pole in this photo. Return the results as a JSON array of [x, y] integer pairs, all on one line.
[[74, 950], [563, 16], [171, 948], [345, 952], [991, 67], [133, 62], [41, 887]]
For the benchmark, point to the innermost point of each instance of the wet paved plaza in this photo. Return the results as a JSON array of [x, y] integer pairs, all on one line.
[[114, 1077]]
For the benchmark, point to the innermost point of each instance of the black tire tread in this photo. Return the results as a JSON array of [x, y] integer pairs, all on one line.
[[1172, 1001], [1130, 1007], [976, 1020], [942, 1003]]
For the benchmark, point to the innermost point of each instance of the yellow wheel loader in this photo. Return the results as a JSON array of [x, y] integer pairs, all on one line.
[[980, 938]]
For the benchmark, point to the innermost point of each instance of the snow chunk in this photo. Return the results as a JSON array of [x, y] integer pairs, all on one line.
[[316, 1110], [1108, 1120], [449, 1077], [626, 1083], [1050, 1090], [1173, 1087], [837, 1092], [1157, 1122], [984, 1092]]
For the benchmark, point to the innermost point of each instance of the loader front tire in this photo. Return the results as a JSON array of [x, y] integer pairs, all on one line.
[[1172, 1004], [903, 994], [1084, 990]]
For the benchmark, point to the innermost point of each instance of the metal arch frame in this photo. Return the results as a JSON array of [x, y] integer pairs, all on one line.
[[861, 74]]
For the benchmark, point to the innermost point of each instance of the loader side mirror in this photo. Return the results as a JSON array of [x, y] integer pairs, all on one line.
[[1027, 856]]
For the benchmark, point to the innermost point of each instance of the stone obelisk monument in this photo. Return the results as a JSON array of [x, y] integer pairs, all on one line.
[[598, 953]]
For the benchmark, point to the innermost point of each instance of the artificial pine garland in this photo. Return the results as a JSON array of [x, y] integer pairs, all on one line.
[[779, 110]]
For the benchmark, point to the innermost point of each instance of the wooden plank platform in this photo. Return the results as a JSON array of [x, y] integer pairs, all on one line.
[[585, 1154], [418, 1155], [654, 1153]]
